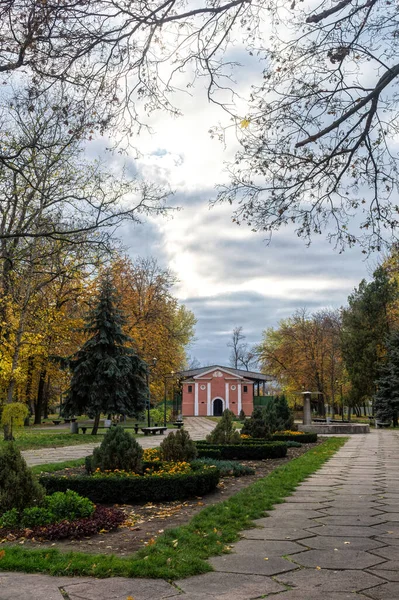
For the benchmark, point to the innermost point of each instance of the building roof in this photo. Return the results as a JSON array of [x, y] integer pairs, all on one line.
[[241, 372]]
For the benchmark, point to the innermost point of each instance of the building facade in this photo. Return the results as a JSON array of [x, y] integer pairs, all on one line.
[[210, 390]]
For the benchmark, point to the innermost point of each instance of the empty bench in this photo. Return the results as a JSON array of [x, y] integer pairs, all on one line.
[[153, 430]]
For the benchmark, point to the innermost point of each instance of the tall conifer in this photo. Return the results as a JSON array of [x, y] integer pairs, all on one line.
[[107, 374], [387, 397]]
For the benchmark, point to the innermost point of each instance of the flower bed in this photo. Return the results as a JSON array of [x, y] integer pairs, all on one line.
[[246, 451], [103, 519], [155, 486]]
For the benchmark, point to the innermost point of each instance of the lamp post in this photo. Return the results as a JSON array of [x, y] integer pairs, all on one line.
[[165, 394], [154, 362]]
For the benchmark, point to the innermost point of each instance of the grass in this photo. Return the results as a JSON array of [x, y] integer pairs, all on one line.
[[57, 466], [37, 439], [181, 552]]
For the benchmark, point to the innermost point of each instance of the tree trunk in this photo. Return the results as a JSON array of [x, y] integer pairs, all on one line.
[[46, 397], [40, 397], [95, 424], [8, 436], [395, 418], [29, 379]]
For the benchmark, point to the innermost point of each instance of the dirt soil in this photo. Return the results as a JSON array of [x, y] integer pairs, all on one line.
[[146, 522]]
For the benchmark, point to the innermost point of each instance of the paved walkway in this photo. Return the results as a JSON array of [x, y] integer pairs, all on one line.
[[197, 427], [336, 538]]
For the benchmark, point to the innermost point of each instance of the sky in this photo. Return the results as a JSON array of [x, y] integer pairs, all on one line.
[[228, 275]]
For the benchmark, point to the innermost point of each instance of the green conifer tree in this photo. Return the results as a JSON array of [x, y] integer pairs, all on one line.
[[386, 403], [107, 374]]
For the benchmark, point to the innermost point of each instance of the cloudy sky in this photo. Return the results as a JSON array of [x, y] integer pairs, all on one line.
[[228, 275]]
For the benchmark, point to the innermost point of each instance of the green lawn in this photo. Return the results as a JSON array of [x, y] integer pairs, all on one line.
[[46, 439], [182, 552]]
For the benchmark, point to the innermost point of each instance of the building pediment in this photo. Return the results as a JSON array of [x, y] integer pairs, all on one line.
[[218, 372]]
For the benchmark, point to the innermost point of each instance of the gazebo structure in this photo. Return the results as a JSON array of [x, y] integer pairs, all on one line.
[[208, 391]]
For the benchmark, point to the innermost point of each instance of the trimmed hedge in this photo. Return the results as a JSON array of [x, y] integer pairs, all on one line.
[[302, 438], [125, 490], [242, 451]]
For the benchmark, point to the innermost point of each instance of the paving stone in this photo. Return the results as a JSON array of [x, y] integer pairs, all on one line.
[[342, 511], [343, 531], [387, 539], [385, 591], [251, 564], [351, 520], [266, 548], [20, 586], [385, 574], [326, 580], [271, 533], [227, 586], [118, 588], [356, 543], [390, 552], [336, 558], [308, 595]]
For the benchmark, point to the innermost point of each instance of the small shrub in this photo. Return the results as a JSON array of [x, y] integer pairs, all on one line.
[[292, 444], [267, 419], [69, 505], [256, 426], [241, 416], [284, 414], [225, 432], [118, 450], [36, 516], [178, 446], [18, 486], [10, 518], [226, 467]]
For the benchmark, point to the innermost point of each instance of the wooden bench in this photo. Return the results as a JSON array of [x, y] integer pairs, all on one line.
[[380, 424], [153, 430], [84, 429]]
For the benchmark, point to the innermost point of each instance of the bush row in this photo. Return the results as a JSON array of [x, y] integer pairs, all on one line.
[[302, 438], [247, 451], [125, 490]]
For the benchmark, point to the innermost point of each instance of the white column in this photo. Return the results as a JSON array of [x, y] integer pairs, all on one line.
[[227, 396], [196, 399], [239, 407], [209, 407]]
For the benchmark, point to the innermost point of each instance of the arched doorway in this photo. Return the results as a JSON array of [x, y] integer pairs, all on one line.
[[217, 407]]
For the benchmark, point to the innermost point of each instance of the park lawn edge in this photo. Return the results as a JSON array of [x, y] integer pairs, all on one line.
[[57, 466], [182, 551]]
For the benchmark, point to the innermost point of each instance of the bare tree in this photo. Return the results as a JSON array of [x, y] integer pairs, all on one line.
[[47, 188], [318, 141], [241, 355]]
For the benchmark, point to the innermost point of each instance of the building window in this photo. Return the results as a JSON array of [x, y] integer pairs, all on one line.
[[190, 389], [245, 388]]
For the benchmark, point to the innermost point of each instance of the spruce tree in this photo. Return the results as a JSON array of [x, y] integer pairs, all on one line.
[[107, 374], [386, 404]]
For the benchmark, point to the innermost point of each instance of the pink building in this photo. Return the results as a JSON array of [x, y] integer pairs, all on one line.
[[208, 391]]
